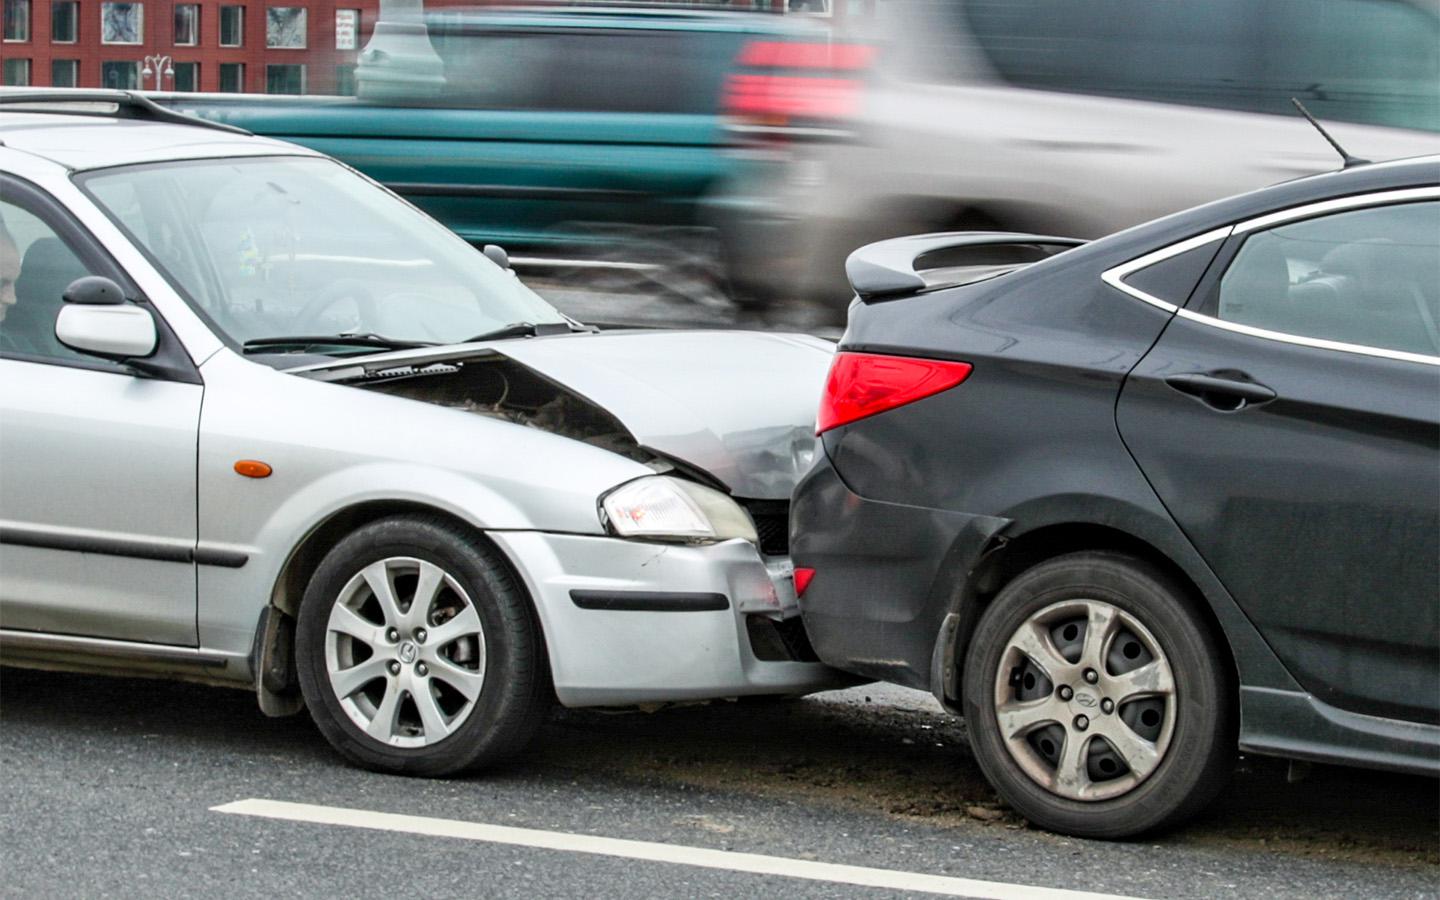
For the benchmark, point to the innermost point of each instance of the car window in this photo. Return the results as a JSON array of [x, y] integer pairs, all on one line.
[[1369, 276], [272, 247], [1370, 61], [645, 71], [36, 265]]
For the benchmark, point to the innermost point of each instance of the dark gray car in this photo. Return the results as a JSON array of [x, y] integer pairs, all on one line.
[[1149, 498]]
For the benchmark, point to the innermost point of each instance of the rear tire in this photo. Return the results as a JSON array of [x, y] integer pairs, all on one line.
[[1096, 699], [418, 653]]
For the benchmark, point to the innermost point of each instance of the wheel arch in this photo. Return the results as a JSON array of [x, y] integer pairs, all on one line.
[[1006, 556], [276, 684]]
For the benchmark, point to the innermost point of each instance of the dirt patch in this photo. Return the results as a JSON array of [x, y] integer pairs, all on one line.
[[916, 765]]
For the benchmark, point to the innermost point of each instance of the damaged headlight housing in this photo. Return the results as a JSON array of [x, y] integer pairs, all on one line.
[[663, 508]]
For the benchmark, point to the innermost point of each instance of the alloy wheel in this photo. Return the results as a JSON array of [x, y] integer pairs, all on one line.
[[405, 652], [1085, 700]]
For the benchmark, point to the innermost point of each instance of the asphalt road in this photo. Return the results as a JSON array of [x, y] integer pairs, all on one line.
[[110, 787]]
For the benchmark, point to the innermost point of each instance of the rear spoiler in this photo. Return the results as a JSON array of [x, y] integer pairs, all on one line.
[[887, 268]]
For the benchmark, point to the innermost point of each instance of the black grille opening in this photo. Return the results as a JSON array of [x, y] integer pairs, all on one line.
[[773, 641], [772, 523]]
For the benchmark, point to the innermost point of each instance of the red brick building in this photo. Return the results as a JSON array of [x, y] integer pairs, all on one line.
[[257, 46]]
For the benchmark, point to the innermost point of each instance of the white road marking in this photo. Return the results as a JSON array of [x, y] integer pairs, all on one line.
[[702, 857]]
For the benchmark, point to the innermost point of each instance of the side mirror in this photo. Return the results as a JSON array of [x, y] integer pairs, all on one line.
[[496, 254], [94, 290], [97, 320]]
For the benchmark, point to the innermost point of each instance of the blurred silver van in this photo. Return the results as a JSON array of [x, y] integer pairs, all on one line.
[[1075, 117]]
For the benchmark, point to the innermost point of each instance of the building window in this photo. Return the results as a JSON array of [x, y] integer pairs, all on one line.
[[17, 71], [122, 23], [17, 22], [187, 24], [232, 78], [65, 72], [121, 75], [347, 28], [232, 26], [345, 81], [285, 27], [286, 79], [187, 77], [64, 14]]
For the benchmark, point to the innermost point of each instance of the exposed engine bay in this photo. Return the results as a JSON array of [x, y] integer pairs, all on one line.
[[498, 387]]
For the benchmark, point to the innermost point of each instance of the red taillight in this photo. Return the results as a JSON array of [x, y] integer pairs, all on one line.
[[785, 97], [794, 84], [863, 384], [802, 580], [798, 55]]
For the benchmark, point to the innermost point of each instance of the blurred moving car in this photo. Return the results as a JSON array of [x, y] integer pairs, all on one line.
[[1082, 117], [569, 135], [266, 426], [1115, 504]]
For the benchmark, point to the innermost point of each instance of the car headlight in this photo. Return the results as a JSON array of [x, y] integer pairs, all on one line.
[[661, 508]]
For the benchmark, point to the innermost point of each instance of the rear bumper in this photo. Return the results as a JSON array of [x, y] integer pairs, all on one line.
[[628, 622], [886, 575]]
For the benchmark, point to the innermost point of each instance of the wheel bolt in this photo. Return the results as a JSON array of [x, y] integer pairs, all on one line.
[[392, 635], [1107, 706], [1082, 723], [1091, 676], [1065, 692], [394, 667], [422, 669], [420, 635]]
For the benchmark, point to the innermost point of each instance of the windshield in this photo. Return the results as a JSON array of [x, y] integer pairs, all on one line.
[[270, 247]]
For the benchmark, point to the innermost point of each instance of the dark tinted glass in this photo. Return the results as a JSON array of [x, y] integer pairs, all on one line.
[[120, 75], [1173, 279], [1369, 276], [187, 76], [594, 71], [232, 26], [64, 72], [62, 21], [1373, 61], [285, 79], [232, 77]]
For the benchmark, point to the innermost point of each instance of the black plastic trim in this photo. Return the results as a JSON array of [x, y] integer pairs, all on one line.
[[511, 191], [650, 601], [161, 552]]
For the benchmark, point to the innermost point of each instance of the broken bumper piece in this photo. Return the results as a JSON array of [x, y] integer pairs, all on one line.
[[629, 622]]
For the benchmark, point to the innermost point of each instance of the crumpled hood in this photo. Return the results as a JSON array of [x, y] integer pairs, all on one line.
[[739, 405]]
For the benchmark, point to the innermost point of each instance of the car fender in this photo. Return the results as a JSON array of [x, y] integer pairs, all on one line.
[[1054, 521], [329, 448]]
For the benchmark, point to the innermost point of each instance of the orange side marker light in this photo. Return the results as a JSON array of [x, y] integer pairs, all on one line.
[[253, 468]]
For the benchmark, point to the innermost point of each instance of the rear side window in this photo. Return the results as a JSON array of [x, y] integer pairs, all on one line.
[[585, 71], [1368, 61], [1369, 277]]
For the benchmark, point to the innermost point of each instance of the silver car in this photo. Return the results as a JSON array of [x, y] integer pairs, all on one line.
[[265, 425]]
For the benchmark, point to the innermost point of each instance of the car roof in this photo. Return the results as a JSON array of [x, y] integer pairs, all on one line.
[[89, 140], [622, 16]]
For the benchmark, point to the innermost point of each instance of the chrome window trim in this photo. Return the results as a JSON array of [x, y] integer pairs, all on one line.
[[1317, 343], [1115, 277], [1377, 198]]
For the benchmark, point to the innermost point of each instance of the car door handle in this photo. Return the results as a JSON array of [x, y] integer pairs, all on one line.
[[1220, 392]]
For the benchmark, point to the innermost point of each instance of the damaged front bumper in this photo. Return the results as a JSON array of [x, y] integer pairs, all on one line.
[[630, 622]]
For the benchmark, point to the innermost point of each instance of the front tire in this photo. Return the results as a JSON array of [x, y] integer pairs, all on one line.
[[1096, 699], [418, 653]]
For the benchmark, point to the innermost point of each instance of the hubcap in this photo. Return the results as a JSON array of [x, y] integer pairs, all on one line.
[[415, 692], [1085, 700]]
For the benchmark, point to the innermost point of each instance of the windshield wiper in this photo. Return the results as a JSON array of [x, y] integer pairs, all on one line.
[[298, 343], [523, 329]]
